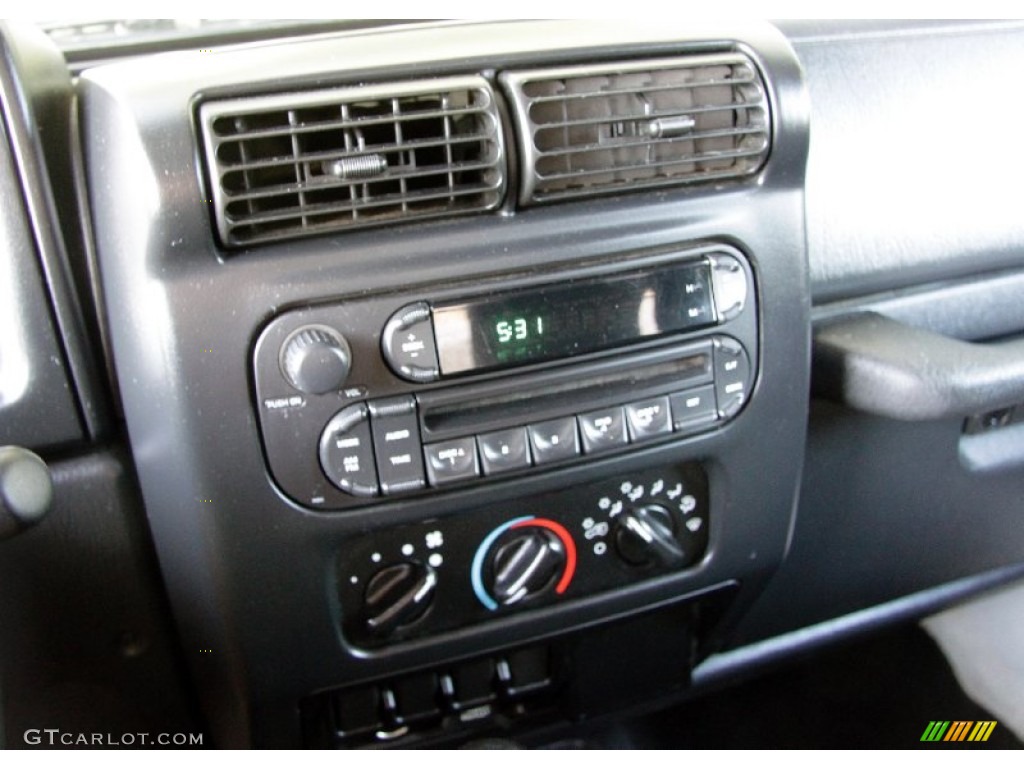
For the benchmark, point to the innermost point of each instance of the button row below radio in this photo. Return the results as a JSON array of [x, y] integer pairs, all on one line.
[[546, 442], [373, 448], [506, 450]]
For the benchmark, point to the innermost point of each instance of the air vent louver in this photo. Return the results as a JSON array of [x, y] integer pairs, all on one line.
[[298, 164], [598, 129]]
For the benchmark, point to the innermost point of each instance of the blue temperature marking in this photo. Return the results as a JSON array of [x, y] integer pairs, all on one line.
[[476, 573]]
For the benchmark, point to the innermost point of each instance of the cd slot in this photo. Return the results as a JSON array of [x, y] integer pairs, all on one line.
[[513, 401]]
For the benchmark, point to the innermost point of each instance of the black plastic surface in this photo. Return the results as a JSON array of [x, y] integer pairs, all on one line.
[[887, 510], [86, 638]]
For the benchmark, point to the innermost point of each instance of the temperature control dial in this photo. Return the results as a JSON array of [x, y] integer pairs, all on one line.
[[522, 558], [526, 565]]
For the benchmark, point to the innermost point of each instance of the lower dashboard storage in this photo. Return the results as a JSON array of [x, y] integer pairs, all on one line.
[[534, 689]]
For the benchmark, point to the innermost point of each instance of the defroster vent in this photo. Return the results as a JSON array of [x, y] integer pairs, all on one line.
[[597, 129], [298, 164]]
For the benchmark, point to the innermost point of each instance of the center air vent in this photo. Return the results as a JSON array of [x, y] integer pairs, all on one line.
[[303, 163], [596, 129]]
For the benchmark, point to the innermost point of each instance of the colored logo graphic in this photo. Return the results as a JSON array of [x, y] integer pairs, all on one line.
[[958, 730]]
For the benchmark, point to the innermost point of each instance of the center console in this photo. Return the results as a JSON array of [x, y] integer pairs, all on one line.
[[404, 396], [422, 450]]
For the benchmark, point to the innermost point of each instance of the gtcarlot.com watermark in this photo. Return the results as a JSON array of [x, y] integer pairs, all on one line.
[[54, 737]]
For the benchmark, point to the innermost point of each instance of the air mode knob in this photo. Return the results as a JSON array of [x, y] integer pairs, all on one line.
[[644, 536], [316, 359]]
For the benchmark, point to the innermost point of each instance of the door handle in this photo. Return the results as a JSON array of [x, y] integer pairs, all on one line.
[[882, 366]]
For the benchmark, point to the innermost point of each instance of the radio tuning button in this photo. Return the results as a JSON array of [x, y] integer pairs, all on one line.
[[316, 359], [730, 286], [644, 536], [407, 343]]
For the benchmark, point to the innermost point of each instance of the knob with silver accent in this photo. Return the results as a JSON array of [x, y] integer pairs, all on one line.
[[644, 536], [315, 359], [397, 596], [526, 565]]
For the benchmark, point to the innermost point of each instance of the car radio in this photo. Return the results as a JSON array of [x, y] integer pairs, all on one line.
[[394, 394]]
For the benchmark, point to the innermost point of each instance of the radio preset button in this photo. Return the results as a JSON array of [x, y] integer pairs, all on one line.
[[554, 440], [693, 408], [603, 429], [396, 442], [504, 451], [346, 451], [451, 461], [408, 343], [648, 419]]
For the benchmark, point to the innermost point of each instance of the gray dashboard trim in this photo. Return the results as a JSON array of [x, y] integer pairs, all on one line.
[[37, 100], [37, 402], [757, 655], [908, 179]]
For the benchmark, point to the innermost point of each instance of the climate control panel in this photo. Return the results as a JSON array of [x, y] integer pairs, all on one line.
[[445, 573]]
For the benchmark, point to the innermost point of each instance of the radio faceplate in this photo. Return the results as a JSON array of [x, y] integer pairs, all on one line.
[[374, 397]]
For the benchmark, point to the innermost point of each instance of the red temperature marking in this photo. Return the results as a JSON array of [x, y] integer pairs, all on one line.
[[568, 543]]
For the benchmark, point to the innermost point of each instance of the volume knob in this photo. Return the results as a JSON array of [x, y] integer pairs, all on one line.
[[316, 359]]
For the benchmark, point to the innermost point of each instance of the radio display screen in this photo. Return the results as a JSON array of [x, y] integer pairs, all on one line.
[[574, 318]]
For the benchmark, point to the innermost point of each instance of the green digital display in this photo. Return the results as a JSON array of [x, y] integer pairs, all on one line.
[[519, 329], [572, 318]]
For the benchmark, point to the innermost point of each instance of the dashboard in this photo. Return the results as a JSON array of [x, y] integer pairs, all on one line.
[[390, 380]]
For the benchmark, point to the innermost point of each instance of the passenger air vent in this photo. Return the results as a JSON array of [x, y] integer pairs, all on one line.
[[303, 163], [597, 129]]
